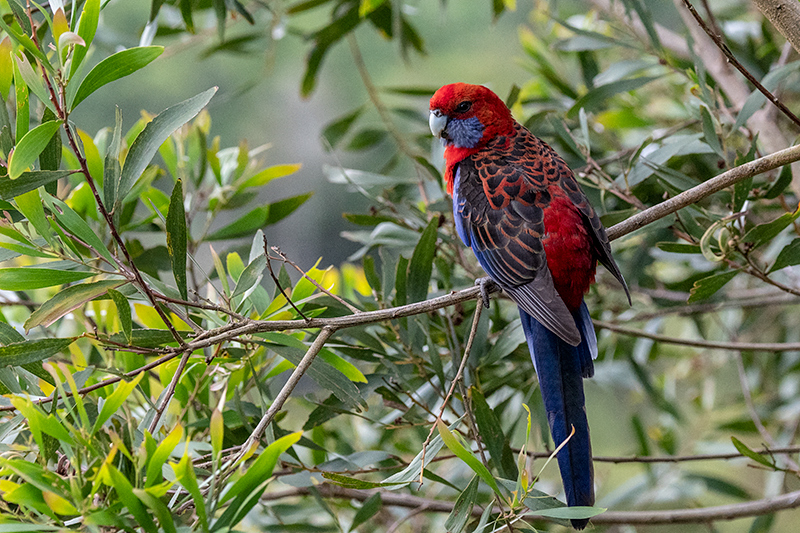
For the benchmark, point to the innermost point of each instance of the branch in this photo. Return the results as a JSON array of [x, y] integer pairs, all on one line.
[[785, 16], [697, 193], [287, 389], [716, 345], [790, 500]]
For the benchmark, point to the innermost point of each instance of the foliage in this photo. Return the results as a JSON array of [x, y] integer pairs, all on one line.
[[153, 385]]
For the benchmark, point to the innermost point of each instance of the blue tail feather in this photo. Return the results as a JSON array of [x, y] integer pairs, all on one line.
[[561, 369]]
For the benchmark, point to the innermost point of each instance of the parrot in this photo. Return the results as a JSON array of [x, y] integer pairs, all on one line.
[[518, 206]]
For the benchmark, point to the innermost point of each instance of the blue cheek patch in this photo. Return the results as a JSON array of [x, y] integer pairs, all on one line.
[[465, 133]]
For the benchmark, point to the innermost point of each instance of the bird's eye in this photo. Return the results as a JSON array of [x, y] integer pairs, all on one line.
[[464, 106]]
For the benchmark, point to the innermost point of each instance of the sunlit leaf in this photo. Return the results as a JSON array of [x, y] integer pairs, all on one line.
[[30, 146], [67, 300]]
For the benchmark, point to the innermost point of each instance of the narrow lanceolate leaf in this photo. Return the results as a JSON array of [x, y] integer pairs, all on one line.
[[123, 312], [789, 256], [30, 146], [752, 454], [113, 68], [462, 510], [261, 468], [250, 276], [115, 401], [23, 279], [28, 181], [76, 225], [20, 353], [87, 27], [67, 300], [184, 473], [763, 233], [176, 238], [154, 134], [160, 456], [704, 288], [269, 174], [368, 509], [421, 265], [465, 455]]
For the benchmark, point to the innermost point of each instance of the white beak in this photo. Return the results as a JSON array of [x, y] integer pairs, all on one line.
[[437, 122]]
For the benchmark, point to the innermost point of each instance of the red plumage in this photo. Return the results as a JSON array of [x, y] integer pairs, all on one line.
[[513, 174]]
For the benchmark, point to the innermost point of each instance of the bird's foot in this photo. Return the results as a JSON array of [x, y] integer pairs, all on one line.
[[488, 286]]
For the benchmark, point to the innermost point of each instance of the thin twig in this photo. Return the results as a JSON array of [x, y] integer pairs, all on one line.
[[277, 282], [751, 408], [698, 192], [169, 392], [456, 378], [716, 345], [336, 297], [735, 62], [372, 92], [789, 500], [288, 387]]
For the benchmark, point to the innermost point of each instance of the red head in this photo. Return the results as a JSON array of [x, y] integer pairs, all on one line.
[[466, 117]]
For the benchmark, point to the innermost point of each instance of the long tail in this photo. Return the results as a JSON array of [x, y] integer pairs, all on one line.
[[561, 369]]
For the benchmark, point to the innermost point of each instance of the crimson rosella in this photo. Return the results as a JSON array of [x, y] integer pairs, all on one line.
[[520, 209]]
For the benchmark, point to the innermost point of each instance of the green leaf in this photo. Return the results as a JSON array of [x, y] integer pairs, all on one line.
[[261, 468], [30, 146], [283, 208], [465, 455], [789, 256], [492, 433], [326, 376], [87, 27], [366, 138], [336, 130], [368, 509], [421, 265], [160, 456], [184, 473], [362, 484], [112, 68], [176, 238], [507, 341], [18, 36], [23, 279], [747, 452], [76, 225], [115, 401], [599, 96], [705, 287], [123, 312], [34, 81], [111, 166], [678, 247], [155, 133], [250, 275], [783, 181], [67, 300], [124, 491], [571, 513], [268, 174], [20, 353], [536, 501], [30, 205], [159, 508], [710, 132], [243, 226], [462, 510], [764, 233]]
